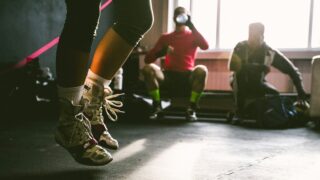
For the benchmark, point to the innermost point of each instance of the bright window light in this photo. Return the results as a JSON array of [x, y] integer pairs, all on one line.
[[130, 150], [204, 16], [315, 43], [286, 21]]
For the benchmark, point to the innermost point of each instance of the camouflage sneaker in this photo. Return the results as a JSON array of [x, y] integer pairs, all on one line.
[[98, 98], [74, 134]]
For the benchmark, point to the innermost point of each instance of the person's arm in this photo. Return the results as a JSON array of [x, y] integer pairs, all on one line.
[[234, 63], [283, 64], [160, 49], [199, 39]]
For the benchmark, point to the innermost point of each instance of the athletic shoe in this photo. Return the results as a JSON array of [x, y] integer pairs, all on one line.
[[156, 111], [98, 98], [74, 134], [191, 114]]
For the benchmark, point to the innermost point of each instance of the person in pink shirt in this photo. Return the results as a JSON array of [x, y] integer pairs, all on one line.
[[179, 76]]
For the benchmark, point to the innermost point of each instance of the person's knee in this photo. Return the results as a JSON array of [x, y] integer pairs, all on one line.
[[132, 24], [144, 24], [270, 89], [134, 30], [200, 72], [148, 71], [272, 92], [141, 19]]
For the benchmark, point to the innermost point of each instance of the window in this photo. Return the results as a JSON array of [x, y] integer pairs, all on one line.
[[285, 26], [315, 42], [289, 24], [205, 14]]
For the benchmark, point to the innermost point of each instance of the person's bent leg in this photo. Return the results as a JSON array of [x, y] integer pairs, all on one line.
[[72, 57], [133, 20], [116, 45], [198, 82], [153, 76], [238, 86], [269, 89]]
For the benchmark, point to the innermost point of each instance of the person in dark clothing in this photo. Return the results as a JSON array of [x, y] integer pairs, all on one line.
[[251, 61], [82, 94]]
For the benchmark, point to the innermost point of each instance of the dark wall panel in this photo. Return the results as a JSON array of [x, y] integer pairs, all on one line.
[[27, 25]]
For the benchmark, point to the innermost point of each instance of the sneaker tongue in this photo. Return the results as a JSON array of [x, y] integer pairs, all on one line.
[[107, 91], [93, 93]]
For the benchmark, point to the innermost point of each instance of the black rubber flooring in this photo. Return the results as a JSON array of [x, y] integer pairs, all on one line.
[[164, 150]]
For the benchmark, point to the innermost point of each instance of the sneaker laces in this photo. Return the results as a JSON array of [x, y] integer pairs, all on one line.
[[83, 129], [81, 118], [112, 106]]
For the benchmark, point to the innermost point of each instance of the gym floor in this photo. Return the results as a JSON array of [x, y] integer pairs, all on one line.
[[165, 150]]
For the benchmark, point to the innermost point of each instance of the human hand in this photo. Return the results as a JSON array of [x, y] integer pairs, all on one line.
[[302, 106], [164, 51], [170, 50], [189, 23]]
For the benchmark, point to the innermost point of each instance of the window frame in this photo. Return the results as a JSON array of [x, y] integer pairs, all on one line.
[[219, 53]]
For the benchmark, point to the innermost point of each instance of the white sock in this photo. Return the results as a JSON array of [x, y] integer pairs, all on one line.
[[91, 76], [73, 94]]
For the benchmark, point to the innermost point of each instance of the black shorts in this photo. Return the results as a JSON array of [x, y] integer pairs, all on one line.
[[176, 84]]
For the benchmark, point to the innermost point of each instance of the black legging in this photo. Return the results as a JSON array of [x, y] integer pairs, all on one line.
[[133, 19]]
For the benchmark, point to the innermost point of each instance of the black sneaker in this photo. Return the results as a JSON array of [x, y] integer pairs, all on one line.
[[156, 111], [191, 115], [237, 118]]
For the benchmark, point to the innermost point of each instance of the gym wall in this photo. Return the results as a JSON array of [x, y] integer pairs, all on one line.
[[26, 25]]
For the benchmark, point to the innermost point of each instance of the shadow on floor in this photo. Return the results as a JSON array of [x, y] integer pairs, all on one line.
[[80, 174]]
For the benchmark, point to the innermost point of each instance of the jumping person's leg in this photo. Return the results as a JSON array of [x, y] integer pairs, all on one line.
[[198, 82], [75, 42], [118, 42], [112, 51], [72, 58], [153, 76]]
